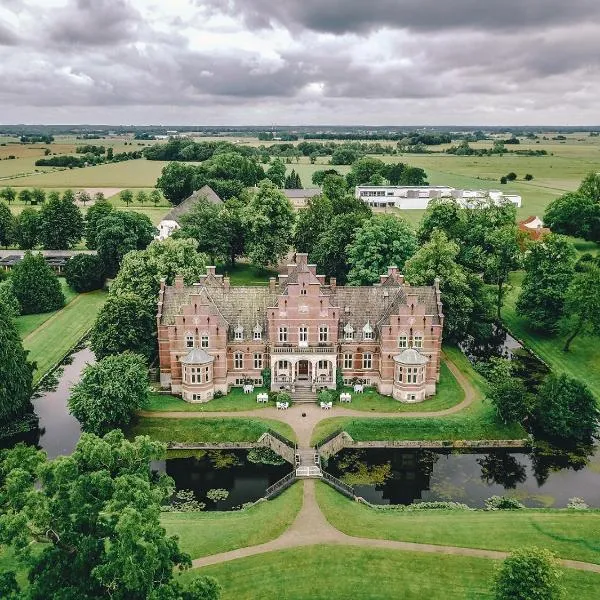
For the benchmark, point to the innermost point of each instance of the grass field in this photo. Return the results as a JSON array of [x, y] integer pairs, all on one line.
[[203, 533], [335, 572], [246, 274], [476, 422], [208, 430], [583, 359], [569, 534], [52, 340], [234, 401]]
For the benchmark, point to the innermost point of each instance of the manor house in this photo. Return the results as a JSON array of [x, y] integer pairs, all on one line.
[[212, 335]]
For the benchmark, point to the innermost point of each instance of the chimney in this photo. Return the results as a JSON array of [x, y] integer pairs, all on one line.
[[211, 270], [226, 283], [301, 259], [332, 283], [179, 281], [272, 284]]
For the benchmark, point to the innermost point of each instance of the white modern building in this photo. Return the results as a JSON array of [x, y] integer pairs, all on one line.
[[407, 197]]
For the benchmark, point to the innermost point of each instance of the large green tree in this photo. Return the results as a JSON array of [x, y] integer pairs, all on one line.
[[27, 228], [582, 304], [177, 181], [549, 268], [88, 525], [8, 299], [276, 172], [8, 194], [311, 222], [16, 373], [61, 222], [234, 221], [381, 241], [364, 169], [565, 411], [110, 392], [84, 273], [100, 209], [126, 322], [528, 574], [270, 218], [7, 225], [36, 286]]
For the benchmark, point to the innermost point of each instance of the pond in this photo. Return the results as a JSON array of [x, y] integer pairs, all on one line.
[[230, 470], [396, 476]]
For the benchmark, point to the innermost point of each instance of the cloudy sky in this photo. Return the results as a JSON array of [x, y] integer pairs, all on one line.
[[370, 62]]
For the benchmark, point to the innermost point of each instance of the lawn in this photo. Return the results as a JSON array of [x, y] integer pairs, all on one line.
[[203, 533], [53, 339], [211, 430], [476, 422], [583, 359], [235, 401], [334, 572], [28, 323], [246, 274], [569, 534], [449, 393]]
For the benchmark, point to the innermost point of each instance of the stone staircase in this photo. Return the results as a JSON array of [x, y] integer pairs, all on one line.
[[303, 393], [308, 463]]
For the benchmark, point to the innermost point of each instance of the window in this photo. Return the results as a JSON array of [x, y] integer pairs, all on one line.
[[283, 334], [238, 360], [323, 333], [207, 374], [258, 360], [303, 292], [193, 375], [418, 341], [400, 374], [258, 334], [403, 341], [367, 360], [322, 364], [189, 340], [413, 375], [347, 361], [348, 332], [303, 335], [204, 341], [239, 333], [368, 335]]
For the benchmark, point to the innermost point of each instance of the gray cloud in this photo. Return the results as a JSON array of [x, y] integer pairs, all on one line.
[[7, 36]]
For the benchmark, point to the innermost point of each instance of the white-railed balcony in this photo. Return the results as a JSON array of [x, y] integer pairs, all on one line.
[[325, 348]]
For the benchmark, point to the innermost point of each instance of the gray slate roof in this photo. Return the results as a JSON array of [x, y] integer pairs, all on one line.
[[197, 356], [410, 356], [186, 206], [301, 193]]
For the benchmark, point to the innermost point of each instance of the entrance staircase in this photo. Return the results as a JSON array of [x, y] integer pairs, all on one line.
[[303, 393], [308, 463]]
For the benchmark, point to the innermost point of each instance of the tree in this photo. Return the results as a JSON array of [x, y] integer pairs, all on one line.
[[574, 214], [84, 273], [127, 197], [96, 212], [118, 233], [16, 373], [270, 225], [528, 574], [364, 169], [8, 194], [97, 516], [155, 197], [503, 180], [8, 298], [233, 217], [311, 222], [381, 241], [344, 155], [176, 181], [510, 399], [61, 222], [319, 176], [27, 228], [511, 176], [504, 256], [125, 323], [528, 177], [292, 181], [413, 176], [565, 411], [38, 196], [110, 392], [582, 304], [142, 197], [36, 286], [276, 173], [83, 197], [549, 268], [25, 196], [7, 225], [443, 214]]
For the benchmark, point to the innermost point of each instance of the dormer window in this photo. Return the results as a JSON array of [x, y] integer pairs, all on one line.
[[348, 332], [189, 340], [367, 332], [257, 332], [238, 333]]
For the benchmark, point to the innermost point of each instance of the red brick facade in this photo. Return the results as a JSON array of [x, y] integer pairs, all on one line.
[[389, 335]]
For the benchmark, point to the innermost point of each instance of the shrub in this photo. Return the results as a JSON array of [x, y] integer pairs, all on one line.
[[218, 394], [577, 504], [284, 397], [325, 396], [502, 503]]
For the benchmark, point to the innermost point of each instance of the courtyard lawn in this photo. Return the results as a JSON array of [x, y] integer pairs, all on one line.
[[448, 394], [246, 274], [583, 359], [476, 422], [53, 339], [568, 533], [333, 572], [203, 533], [213, 430], [235, 401], [28, 323]]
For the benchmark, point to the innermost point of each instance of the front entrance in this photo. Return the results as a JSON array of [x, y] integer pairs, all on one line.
[[302, 369]]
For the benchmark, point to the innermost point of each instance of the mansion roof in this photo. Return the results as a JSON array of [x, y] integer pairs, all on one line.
[[360, 307]]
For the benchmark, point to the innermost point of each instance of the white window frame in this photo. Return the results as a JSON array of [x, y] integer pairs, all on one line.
[[204, 340], [189, 340], [348, 360], [238, 360], [349, 335], [303, 335], [367, 360], [258, 335], [403, 341], [323, 333], [367, 335], [206, 374], [418, 340], [258, 360], [283, 334], [239, 334]]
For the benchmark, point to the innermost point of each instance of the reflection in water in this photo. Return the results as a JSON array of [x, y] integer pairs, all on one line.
[[244, 480], [412, 475]]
